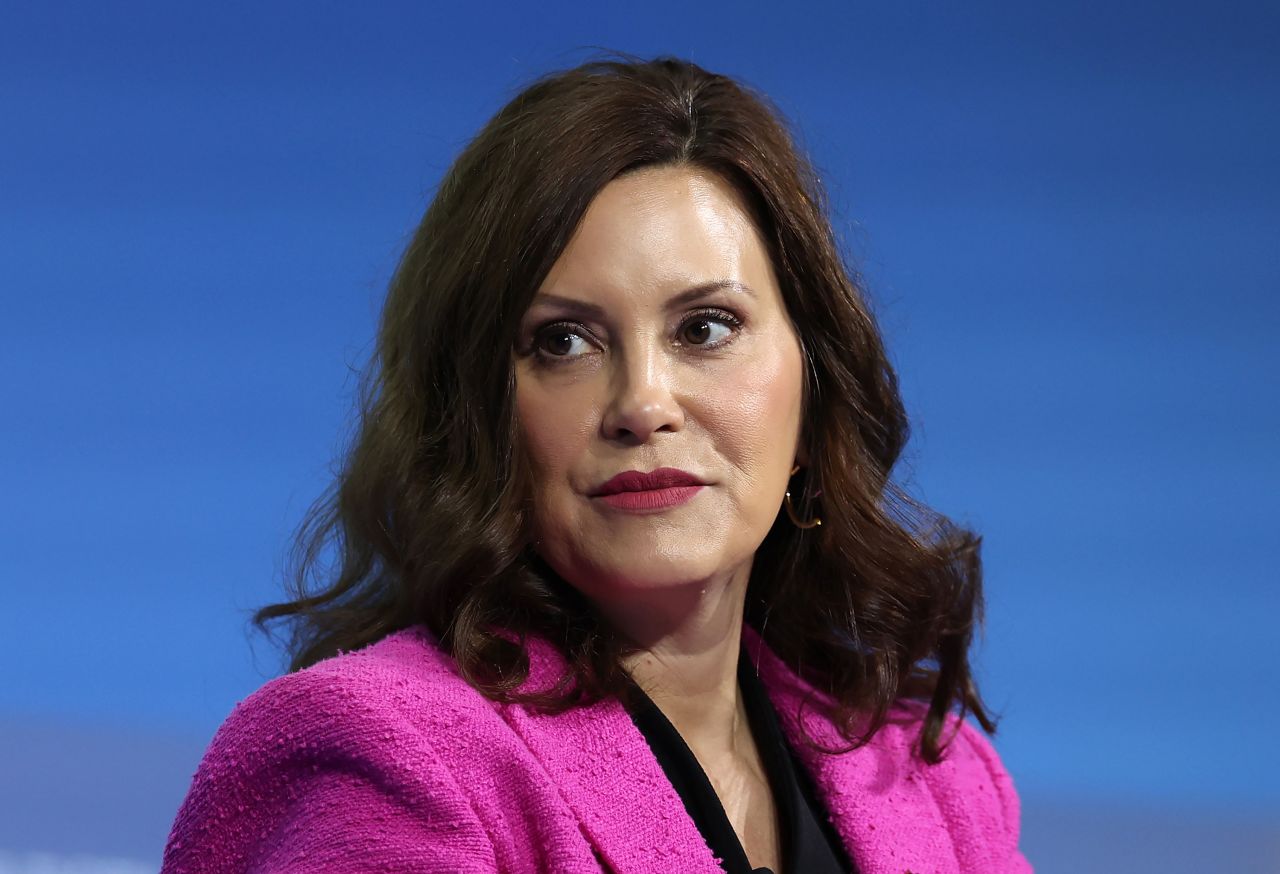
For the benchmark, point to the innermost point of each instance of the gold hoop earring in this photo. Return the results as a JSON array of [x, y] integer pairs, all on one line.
[[786, 501]]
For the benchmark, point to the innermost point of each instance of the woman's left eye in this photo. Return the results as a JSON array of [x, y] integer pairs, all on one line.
[[700, 329]]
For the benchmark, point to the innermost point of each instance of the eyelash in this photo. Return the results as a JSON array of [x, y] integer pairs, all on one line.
[[542, 357]]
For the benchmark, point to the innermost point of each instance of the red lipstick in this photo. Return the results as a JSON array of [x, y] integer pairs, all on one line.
[[656, 490]]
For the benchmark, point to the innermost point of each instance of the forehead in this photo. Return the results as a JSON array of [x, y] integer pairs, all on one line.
[[659, 229]]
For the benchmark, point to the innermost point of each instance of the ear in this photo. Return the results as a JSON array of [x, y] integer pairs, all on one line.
[[802, 448]]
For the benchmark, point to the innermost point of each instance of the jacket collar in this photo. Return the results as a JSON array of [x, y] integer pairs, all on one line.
[[879, 802]]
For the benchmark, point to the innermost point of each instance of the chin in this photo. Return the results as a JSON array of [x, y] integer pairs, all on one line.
[[657, 570], [638, 557]]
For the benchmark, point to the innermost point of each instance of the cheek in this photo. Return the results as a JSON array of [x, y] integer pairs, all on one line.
[[554, 428], [759, 405]]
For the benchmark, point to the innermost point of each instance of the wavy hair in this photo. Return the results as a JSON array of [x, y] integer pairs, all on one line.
[[428, 518]]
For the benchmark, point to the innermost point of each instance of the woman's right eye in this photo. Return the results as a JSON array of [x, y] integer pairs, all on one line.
[[559, 342]]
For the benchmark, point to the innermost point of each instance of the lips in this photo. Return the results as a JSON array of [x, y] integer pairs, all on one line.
[[636, 481]]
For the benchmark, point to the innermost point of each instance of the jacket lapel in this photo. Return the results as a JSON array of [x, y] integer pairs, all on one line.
[[606, 773], [879, 800], [877, 796]]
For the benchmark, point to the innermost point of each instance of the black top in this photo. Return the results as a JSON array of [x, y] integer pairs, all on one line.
[[809, 843]]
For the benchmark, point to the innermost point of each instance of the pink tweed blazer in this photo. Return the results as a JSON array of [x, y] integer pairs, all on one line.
[[385, 760]]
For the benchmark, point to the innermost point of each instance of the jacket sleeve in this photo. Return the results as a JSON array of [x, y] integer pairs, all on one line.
[[312, 773], [1002, 838]]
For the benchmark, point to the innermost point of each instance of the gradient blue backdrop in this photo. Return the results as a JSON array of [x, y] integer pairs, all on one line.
[[1067, 217]]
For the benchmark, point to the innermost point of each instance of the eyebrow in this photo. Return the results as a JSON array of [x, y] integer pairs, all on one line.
[[689, 295]]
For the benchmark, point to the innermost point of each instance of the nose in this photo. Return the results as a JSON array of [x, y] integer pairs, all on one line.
[[641, 400]]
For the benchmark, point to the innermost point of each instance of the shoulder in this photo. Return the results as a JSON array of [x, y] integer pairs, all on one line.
[[323, 759], [970, 786], [968, 793], [404, 681]]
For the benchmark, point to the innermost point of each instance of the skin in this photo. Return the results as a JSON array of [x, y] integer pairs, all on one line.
[[648, 382]]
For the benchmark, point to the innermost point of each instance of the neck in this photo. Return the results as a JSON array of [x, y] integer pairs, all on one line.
[[689, 666]]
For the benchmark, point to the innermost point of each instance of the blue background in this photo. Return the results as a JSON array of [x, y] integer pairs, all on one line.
[[1068, 219]]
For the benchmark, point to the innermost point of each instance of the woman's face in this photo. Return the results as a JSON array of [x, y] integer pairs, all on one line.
[[658, 340]]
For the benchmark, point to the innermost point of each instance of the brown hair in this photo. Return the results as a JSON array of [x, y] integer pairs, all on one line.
[[428, 516]]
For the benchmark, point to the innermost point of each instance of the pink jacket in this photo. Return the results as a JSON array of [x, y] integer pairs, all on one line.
[[386, 760]]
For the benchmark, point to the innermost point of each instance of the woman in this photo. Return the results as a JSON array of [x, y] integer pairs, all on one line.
[[624, 583]]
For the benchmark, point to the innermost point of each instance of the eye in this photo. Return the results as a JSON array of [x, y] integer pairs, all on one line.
[[559, 341], [710, 328]]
